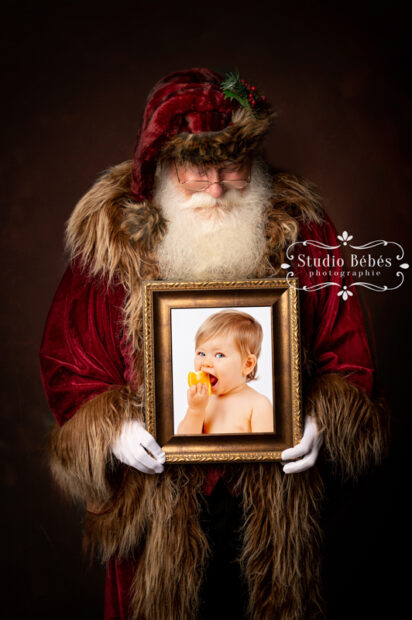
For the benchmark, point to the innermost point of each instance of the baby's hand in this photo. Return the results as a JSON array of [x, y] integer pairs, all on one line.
[[198, 397]]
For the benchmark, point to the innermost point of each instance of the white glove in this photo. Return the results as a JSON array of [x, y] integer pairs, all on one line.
[[308, 448], [138, 448]]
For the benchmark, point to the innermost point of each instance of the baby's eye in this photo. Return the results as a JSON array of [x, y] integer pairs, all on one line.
[[200, 353], [220, 355]]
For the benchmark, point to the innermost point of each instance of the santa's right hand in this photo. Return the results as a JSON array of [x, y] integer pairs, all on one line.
[[138, 448]]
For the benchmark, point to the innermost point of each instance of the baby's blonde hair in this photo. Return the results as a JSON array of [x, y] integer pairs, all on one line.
[[245, 330]]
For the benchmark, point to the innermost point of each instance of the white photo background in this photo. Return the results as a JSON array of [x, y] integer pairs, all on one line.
[[185, 323]]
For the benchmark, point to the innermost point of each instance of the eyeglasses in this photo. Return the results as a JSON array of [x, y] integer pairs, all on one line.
[[200, 185]]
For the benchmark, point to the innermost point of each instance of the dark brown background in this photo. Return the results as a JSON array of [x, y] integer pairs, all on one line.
[[75, 81]]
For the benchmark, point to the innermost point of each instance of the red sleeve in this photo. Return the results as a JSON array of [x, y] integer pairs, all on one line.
[[82, 353], [333, 328]]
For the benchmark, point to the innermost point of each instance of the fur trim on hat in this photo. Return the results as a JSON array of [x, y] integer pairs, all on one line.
[[234, 143]]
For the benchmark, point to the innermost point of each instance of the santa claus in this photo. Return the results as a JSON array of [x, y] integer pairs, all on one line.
[[198, 202]]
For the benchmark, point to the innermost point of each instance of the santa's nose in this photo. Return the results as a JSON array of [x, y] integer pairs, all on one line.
[[215, 190]]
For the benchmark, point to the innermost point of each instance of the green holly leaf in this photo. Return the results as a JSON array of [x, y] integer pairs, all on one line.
[[230, 94]]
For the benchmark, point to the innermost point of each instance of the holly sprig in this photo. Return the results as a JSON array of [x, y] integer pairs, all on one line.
[[234, 87]]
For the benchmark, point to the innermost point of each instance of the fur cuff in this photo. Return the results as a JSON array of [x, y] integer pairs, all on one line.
[[355, 428], [81, 457]]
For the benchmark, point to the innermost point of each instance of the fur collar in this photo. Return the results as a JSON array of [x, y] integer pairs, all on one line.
[[114, 236]]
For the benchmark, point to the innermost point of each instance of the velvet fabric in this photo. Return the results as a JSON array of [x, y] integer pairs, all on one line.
[[119, 579], [83, 352], [182, 102]]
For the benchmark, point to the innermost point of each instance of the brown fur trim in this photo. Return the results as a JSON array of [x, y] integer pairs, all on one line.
[[281, 230], [81, 457], [113, 237], [100, 233], [144, 225], [355, 428], [293, 200], [161, 529], [297, 197], [170, 569], [281, 539], [102, 535], [93, 232], [234, 143]]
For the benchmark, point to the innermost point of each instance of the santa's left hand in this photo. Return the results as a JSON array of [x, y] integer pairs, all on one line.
[[308, 448]]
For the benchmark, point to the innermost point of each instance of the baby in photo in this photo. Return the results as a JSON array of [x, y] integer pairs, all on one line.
[[227, 346]]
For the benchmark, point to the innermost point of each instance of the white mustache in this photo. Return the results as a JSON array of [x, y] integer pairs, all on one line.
[[201, 200]]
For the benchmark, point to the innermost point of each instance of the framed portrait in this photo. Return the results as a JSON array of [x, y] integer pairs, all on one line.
[[222, 369]]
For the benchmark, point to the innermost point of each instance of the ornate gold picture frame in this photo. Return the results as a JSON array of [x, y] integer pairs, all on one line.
[[172, 312]]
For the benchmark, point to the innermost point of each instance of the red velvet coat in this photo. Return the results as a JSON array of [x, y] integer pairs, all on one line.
[[89, 371]]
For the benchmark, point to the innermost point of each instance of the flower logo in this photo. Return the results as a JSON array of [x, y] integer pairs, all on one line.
[[345, 293], [345, 237]]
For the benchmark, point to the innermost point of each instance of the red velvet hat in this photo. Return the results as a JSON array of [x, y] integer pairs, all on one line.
[[190, 117]]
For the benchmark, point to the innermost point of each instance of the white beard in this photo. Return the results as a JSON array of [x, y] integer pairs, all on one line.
[[212, 239]]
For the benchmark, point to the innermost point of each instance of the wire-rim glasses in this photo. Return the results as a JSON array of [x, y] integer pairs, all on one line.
[[200, 185]]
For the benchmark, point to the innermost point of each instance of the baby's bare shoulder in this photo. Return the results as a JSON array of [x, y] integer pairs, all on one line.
[[262, 413], [258, 399]]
